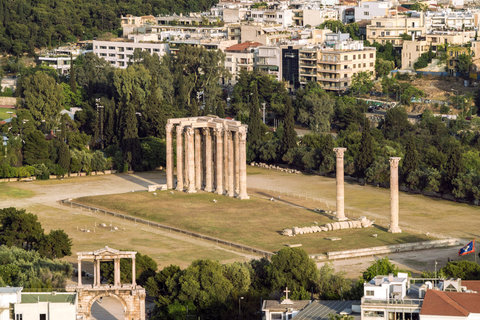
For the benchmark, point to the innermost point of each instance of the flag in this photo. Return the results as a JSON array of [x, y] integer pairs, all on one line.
[[469, 248]]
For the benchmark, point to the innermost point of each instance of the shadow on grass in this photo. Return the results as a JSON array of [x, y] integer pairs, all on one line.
[[143, 183]]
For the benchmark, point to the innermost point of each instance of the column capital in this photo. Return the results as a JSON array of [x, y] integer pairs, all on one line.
[[242, 136], [179, 129], [339, 152], [190, 131], [218, 132], [169, 126], [206, 132], [394, 162]]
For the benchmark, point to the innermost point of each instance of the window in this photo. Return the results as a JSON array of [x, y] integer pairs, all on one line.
[[345, 76], [19, 317], [111, 48], [112, 62], [103, 54], [409, 63], [43, 316], [121, 56], [121, 49], [364, 65], [129, 49], [103, 47], [276, 316], [418, 48], [345, 58], [156, 50], [366, 6], [376, 314], [280, 16], [371, 64], [229, 59], [96, 47], [451, 62], [364, 56], [359, 56], [121, 64], [345, 84], [354, 56], [345, 67], [354, 66], [371, 55], [370, 293], [111, 54], [366, 13], [373, 33], [387, 33]]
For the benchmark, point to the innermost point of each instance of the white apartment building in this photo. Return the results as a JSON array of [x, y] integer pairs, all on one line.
[[451, 20], [313, 17], [269, 61], [8, 296], [366, 10], [240, 57], [60, 58], [272, 16], [119, 51]]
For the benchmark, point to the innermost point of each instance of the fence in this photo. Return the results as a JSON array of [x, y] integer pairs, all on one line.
[[266, 254]]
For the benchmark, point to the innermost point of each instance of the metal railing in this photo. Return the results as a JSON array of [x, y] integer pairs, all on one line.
[[405, 302]]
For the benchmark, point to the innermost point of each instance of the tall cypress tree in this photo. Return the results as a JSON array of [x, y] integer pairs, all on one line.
[[64, 156], [130, 143], [221, 109], [410, 163], [454, 165], [109, 128], [73, 81], [366, 154], [289, 138], [254, 122]]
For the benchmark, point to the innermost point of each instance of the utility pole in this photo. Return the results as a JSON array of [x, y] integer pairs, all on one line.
[[263, 104]]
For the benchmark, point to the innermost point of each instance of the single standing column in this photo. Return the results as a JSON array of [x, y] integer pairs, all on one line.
[[116, 272], [226, 142], [134, 273], [198, 159], [237, 164], [340, 186], [169, 128], [179, 158], [94, 273], [79, 268], [394, 228], [231, 156], [191, 160], [208, 160], [186, 167], [99, 279], [243, 166], [219, 160]]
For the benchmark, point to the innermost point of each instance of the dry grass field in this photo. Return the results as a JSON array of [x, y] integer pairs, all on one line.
[[256, 222]]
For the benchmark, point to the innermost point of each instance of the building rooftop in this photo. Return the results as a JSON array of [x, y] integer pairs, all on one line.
[[276, 305], [473, 285], [320, 310], [243, 47], [452, 304], [48, 297], [10, 290]]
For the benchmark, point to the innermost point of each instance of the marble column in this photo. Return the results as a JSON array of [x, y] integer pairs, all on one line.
[[219, 160], [198, 160], [340, 216], [191, 160], [94, 273], [170, 165], [208, 160], [237, 164], [79, 268], [179, 158], [99, 278], [231, 156], [116, 272], [243, 166], [186, 167], [134, 273], [394, 228], [226, 143]]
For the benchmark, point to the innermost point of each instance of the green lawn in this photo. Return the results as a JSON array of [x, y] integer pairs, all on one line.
[[4, 115], [7, 192], [256, 222]]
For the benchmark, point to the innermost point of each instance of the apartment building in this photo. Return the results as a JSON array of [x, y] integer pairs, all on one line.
[[60, 58], [239, 57], [271, 16], [118, 51], [436, 38], [333, 63], [453, 52], [366, 10], [208, 43], [412, 50], [269, 61], [313, 18], [448, 20], [390, 29], [263, 34]]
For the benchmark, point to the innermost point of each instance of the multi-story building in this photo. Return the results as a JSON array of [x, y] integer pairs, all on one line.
[[412, 50], [366, 10], [313, 18], [290, 66], [118, 51], [271, 16], [209, 44], [239, 57], [447, 19], [269, 61], [263, 34], [390, 29], [60, 58], [334, 63], [453, 52]]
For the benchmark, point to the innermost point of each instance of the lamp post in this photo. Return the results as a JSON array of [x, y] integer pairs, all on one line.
[[435, 273], [239, 308]]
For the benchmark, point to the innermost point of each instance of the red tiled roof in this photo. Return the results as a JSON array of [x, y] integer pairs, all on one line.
[[243, 46], [402, 9], [473, 285], [452, 304]]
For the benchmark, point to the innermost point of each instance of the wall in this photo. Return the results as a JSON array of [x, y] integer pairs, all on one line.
[[5, 300], [8, 101], [64, 311]]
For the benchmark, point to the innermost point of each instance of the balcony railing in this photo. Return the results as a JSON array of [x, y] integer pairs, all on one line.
[[335, 88], [308, 65], [405, 302], [334, 79]]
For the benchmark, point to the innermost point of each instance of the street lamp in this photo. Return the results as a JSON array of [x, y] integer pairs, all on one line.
[[239, 308]]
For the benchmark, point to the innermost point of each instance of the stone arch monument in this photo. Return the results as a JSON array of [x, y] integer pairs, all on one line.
[[130, 295]]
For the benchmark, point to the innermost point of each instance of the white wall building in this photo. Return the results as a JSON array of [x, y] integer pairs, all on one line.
[[46, 306], [269, 61], [8, 295], [368, 9], [272, 16], [450, 20], [118, 52]]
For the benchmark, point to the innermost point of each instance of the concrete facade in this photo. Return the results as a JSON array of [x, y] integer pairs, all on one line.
[[215, 159]]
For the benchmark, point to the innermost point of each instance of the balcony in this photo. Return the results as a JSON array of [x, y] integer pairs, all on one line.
[[334, 79], [333, 88], [307, 65], [308, 56], [309, 73], [334, 62], [393, 302]]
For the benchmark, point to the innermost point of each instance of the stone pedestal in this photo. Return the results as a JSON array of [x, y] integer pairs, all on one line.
[[394, 228], [179, 158], [340, 216]]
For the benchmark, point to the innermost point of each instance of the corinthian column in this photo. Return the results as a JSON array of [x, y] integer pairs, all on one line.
[[231, 155], [226, 143], [237, 164], [179, 158], [169, 128], [394, 228], [243, 166], [198, 160], [340, 185], [191, 160], [219, 160], [208, 160]]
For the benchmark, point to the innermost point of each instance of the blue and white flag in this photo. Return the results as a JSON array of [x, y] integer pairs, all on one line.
[[469, 248]]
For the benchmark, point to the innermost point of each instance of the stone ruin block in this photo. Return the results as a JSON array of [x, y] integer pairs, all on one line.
[[335, 226], [344, 225], [324, 229], [287, 232], [329, 226]]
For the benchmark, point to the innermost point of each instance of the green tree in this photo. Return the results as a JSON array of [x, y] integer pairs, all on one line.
[[366, 154], [383, 67], [19, 228], [464, 63], [332, 285], [380, 267], [410, 163], [64, 156], [130, 142], [289, 137], [465, 270], [396, 123], [254, 122], [55, 245], [36, 148], [454, 165], [362, 82]]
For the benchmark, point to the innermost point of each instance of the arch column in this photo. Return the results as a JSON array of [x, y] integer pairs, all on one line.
[[219, 160], [79, 268], [191, 160], [394, 228], [226, 143], [198, 160], [340, 216], [243, 166], [169, 128], [231, 188], [179, 158], [208, 160]]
